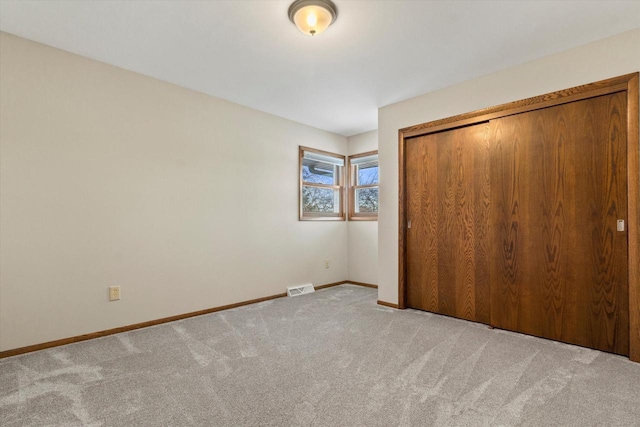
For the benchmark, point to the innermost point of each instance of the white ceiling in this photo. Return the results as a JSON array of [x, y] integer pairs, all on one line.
[[377, 53]]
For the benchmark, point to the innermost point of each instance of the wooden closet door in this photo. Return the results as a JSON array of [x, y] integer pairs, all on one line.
[[558, 186], [447, 188]]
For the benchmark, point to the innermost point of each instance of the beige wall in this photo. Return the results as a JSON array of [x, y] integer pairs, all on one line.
[[112, 178], [589, 63], [363, 235]]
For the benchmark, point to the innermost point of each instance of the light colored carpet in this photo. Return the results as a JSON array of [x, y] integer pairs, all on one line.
[[332, 358]]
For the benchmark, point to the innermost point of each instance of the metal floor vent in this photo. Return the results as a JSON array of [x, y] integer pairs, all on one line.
[[294, 291]]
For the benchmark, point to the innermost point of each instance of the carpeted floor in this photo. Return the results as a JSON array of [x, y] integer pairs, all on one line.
[[332, 358]]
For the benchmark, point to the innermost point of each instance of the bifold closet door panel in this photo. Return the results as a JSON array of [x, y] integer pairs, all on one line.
[[447, 188], [558, 186]]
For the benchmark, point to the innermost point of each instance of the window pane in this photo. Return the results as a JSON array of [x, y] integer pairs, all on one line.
[[319, 172], [320, 200], [367, 174], [366, 200]]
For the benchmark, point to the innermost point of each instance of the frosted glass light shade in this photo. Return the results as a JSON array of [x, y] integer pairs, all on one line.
[[312, 17]]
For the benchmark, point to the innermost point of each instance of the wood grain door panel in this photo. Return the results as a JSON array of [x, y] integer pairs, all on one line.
[[558, 186], [448, 206]]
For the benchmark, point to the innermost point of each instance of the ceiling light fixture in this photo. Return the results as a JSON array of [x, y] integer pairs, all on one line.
[[313, 16]]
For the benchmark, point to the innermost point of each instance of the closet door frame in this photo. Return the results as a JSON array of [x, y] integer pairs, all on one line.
[[627, 83]]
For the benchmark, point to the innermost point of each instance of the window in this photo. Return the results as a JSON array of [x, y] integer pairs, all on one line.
[[363, 186], [321, 185]]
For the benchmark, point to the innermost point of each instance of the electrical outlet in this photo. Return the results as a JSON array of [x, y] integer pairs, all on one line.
[[326, 263], [114, 293]]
